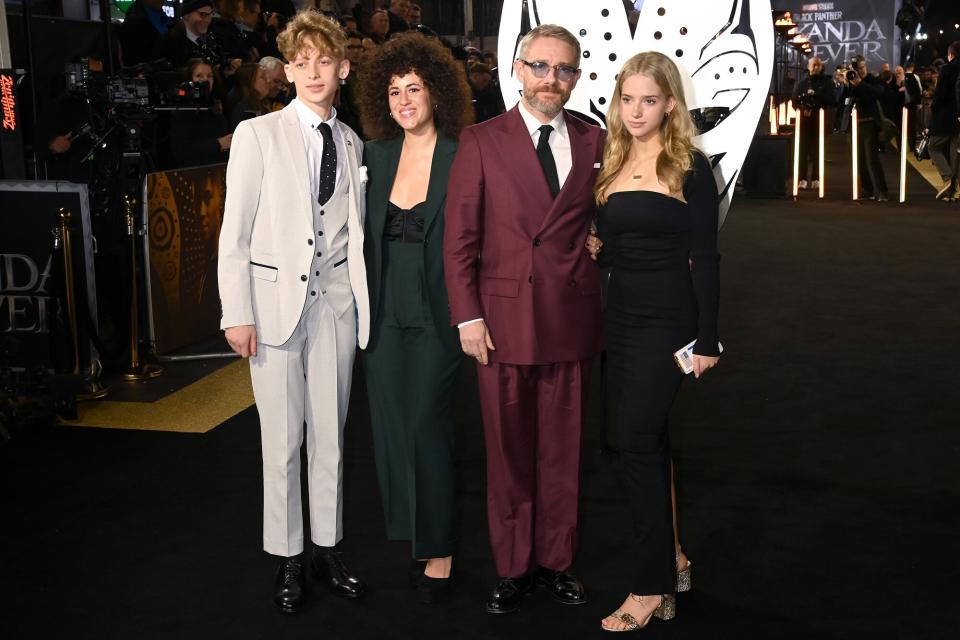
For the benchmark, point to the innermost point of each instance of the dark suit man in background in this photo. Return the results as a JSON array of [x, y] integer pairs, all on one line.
[[526, 298], [944, 123]]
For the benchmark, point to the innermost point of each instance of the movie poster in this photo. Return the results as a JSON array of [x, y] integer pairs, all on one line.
[[845, 28], [184, 213]]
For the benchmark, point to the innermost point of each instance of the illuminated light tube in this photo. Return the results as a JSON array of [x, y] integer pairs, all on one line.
[[903, 156], [820, 158], [773, 118], [782, 120], [791, 112], [796, 158], [853, 144]]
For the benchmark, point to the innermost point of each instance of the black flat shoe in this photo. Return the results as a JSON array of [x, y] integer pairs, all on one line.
[[562, 585], [290, 585], [432, 590], [508, 593], [328, 568]]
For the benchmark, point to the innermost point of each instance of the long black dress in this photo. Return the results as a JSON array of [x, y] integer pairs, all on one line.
[[663, 293]]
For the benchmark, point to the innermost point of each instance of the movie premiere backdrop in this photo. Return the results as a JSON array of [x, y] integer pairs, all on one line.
[[723, 48], [840, 30]]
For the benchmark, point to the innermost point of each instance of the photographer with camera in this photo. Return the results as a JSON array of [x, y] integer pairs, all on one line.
[[202, 136], [814, 92], [863, 92]]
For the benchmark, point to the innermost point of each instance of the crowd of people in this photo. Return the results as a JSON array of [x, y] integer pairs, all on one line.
[[931, 96], [441, 238], [231, 45]]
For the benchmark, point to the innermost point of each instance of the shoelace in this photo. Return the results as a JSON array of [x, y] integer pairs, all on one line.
[[292, 570]]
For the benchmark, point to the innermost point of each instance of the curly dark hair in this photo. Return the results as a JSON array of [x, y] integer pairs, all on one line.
[[443, 76]]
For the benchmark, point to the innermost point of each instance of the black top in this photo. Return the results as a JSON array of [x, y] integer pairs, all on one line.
[[946, 101], [667, 250], [404, 225]]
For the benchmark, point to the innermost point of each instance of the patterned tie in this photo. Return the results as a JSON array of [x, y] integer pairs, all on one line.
[[546, 160], [328, 164]]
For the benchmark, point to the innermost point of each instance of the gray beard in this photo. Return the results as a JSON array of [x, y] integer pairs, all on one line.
[[546, 109]]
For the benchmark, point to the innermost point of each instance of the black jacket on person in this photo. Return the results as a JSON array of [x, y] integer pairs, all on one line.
[[824, 94], [891, 101], [946, 101], [866, 96], [178, 48], [397, 24], [138, 37], [193, 138]]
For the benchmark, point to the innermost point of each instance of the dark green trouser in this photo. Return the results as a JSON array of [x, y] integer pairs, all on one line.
[[410, 381]]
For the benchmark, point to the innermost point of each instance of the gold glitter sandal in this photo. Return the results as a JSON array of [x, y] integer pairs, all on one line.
[[684, 576], [666, 610]]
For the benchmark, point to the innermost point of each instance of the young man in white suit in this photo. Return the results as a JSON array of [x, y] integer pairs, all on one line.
[[294, 296]]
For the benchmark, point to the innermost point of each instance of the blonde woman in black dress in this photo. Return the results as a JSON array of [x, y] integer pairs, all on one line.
[[658, 230]]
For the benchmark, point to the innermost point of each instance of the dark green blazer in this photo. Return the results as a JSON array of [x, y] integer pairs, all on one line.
[[381, 158]]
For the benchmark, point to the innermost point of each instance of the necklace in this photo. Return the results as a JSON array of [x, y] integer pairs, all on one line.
[[639, 176]]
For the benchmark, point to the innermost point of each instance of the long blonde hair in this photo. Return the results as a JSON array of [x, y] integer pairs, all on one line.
[[677, 130]]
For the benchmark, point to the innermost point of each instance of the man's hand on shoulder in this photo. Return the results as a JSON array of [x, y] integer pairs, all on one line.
[[242, 339]]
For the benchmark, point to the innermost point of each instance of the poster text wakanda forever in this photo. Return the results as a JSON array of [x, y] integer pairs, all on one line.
[[841, 30]]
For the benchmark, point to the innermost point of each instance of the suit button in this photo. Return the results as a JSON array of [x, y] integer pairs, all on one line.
[[319, 233], [570, 246], [573, 283], [426, 242], [318, 273], [536, 242], [313, 293], [319, 254], [303, 278], [321, 211], [530, 279], [309, 240]]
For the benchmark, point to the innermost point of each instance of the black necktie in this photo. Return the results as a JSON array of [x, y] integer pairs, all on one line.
[[328, 164], [546, 160]]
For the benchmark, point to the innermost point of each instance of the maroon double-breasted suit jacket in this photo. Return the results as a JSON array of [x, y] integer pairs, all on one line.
[[515, 256]]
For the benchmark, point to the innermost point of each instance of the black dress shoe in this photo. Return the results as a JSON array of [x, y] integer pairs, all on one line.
[[290, 585], [508, 593], [328, 567], [562, 585]]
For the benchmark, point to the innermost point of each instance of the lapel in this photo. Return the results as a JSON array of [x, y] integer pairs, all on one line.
[[516, 146], [383, 173], [293, 138], [582, 154], [443, 154]]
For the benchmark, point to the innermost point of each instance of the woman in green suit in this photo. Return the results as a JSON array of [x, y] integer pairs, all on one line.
[[415, 100]]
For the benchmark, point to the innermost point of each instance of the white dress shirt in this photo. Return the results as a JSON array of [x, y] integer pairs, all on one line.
[[313, 141], [559, 140]]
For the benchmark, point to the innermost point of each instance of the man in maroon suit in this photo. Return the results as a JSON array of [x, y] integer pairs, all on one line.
[[527, 300]]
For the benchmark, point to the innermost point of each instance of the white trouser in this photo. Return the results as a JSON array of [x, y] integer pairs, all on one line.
[[307, 378]]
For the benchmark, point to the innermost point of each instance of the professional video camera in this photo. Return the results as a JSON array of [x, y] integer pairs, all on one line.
[[138, 90]]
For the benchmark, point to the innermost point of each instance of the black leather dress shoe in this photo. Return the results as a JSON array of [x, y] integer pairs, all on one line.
[[508, 593], [328, 567], [290, 584], [562, 585]]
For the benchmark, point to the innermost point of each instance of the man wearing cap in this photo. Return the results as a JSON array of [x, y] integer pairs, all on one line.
[[188, 39]]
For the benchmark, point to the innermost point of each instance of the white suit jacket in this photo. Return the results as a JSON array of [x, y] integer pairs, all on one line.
[[268, 219]]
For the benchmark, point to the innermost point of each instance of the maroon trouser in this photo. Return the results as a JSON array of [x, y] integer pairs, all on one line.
[[532, 419]]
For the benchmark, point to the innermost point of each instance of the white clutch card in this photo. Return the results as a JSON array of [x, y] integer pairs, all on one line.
[[684, 357]]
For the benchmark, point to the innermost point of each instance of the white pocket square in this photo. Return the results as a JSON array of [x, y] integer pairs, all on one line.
[[596, 165], [363, 172]]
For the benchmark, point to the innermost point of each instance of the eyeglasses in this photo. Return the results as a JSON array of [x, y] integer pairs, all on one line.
[[563, 73]]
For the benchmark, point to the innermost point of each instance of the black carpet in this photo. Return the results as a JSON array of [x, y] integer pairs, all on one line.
[[819, 471]]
